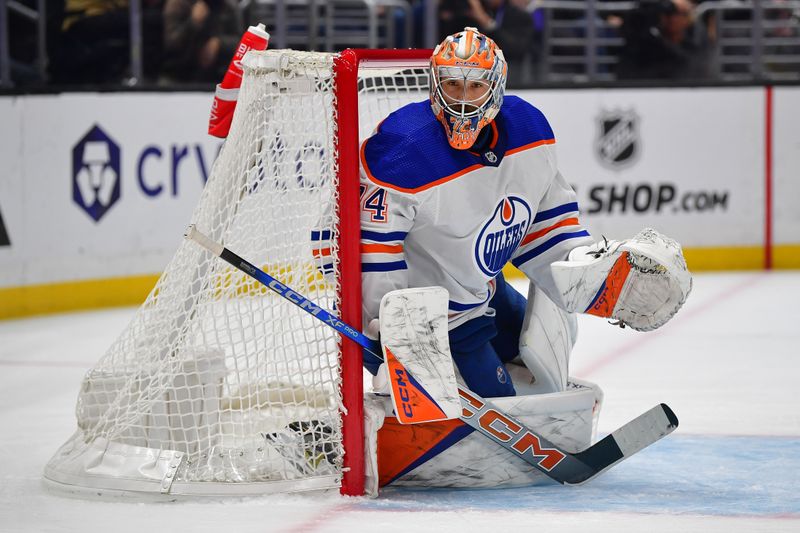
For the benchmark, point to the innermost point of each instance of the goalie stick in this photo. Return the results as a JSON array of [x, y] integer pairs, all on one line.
[[481, 415]]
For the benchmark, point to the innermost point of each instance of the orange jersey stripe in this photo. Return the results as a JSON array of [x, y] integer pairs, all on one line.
[[323, 252], [381, 248], [529, 146], [495, 135], [535, 235], [445, 179]]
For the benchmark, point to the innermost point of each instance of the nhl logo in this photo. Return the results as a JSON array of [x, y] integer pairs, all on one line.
[[490, 157], [617, 143]]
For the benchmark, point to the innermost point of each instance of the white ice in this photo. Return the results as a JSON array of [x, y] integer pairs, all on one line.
[[728, 364]]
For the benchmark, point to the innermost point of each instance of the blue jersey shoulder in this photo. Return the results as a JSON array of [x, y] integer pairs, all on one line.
[[410, 152], [523, 122]]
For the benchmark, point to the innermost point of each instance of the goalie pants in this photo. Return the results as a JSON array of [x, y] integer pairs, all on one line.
[[482, 346]]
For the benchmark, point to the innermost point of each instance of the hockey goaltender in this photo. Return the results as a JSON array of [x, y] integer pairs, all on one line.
[[452, 190]]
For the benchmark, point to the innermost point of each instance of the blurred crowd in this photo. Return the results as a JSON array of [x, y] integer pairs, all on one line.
[[88, 41]]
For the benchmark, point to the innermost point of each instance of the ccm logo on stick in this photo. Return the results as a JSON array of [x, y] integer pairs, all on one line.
[[289, 294], [506, 431]]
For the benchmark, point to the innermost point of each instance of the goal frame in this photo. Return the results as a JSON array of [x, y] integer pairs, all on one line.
[[205, 393]]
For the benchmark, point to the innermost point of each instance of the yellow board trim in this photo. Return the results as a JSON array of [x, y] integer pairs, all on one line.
[[728, 258], [786, 256], [29, 300], [16, 302]]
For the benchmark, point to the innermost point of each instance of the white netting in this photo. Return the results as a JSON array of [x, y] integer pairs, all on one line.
[[217, 379]]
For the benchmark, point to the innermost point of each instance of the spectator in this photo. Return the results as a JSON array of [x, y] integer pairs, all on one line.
[[708, 33], [90, 41], [23, 47], [781, 38], [200, 38], [782, 20], [510, 26], [657, 43]]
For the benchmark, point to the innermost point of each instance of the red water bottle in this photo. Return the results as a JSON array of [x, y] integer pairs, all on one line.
[[255, 38], [219, 122]]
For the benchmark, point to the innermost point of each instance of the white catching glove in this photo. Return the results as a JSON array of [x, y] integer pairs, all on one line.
[[380, 381], [373, 329], [642, 282]]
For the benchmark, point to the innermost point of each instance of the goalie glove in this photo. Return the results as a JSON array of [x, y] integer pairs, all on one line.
[[371, 361], [641, 282]]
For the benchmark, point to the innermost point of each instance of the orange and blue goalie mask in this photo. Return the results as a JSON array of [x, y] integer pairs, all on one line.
[[468, 79]]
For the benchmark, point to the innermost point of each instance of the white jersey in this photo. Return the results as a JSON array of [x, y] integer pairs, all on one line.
[[433, 215]]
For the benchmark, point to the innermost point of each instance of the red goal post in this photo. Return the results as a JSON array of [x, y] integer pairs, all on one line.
[[346, 68]]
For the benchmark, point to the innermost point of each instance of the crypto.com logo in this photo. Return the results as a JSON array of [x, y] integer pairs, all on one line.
[[95, 173]]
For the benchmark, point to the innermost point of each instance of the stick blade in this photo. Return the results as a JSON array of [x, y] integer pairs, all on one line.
[[417, 354], [644, 430]]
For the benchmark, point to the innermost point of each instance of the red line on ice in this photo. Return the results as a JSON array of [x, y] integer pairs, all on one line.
[[321, 520]]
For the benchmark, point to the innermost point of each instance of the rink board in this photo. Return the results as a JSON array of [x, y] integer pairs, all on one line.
[[692, 162]]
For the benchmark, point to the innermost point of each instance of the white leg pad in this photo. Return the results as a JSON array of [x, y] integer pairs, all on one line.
[[374, 414], [548, 335], [473, 461]]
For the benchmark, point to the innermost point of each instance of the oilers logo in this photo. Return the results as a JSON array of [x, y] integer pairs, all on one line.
[[500, 236]]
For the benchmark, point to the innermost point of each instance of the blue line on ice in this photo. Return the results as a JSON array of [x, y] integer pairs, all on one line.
[[709, 475]]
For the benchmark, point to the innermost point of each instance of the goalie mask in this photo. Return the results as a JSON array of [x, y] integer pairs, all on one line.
[[468, 80]]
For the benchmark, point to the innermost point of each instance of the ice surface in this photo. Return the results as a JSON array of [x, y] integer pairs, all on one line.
[[728, 364]]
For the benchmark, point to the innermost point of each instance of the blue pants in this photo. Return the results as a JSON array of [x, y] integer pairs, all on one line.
[[482, 346]]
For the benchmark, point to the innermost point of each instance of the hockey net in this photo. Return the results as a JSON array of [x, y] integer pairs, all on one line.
[[219, 386]]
